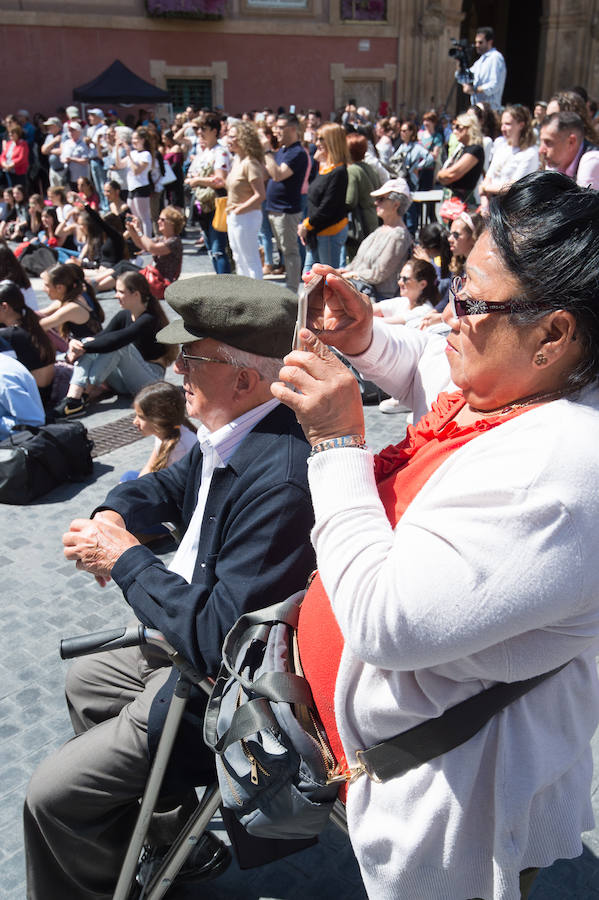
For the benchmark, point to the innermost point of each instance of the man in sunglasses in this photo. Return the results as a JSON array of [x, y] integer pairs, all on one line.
[[241, 498]]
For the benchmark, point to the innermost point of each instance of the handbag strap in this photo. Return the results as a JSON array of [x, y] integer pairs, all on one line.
[[434, 737], [285, 687]]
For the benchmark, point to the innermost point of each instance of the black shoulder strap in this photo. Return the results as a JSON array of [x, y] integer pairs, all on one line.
[[457, 725]]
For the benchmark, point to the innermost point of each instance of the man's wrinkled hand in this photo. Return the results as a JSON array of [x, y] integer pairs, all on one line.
[[96, 545]]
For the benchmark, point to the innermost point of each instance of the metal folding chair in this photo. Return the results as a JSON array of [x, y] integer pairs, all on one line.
[[161, 880]]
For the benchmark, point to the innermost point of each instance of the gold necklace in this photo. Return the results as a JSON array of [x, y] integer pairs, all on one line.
[[518, 404]]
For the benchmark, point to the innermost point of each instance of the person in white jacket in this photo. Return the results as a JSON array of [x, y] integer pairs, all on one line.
[[466, 556], [515, 155]]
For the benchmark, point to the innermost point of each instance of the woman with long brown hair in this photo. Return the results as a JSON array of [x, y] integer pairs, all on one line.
[[74, 311], [516, 156], [126, 355], [324, 230]]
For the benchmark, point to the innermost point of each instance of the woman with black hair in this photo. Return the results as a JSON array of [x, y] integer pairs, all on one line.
[[12, 270], [433, 246], [418, 293], [17, 227], [126, 355], [20, 328], [174, 156], [104, 244], [463, 558]]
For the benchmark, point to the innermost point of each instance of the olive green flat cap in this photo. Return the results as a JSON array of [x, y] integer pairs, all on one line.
[[255, 316]]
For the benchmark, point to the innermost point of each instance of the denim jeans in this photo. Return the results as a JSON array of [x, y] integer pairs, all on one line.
[[330, 250], [411, 218], [125, 370], [216, 244]]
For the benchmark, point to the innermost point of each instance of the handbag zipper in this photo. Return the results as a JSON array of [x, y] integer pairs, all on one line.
[[255, 765]]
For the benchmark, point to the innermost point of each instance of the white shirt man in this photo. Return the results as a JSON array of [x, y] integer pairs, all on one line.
[[75, 154]]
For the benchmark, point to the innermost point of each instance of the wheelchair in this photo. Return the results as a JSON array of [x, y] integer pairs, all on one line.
[[135, 881]]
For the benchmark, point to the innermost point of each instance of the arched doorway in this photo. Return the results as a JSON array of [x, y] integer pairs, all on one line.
[[517, 35]]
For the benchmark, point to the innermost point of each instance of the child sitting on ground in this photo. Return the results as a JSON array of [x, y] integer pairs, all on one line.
[[160, 411]]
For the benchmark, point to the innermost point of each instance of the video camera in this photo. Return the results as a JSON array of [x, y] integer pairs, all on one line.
[[461, 51]]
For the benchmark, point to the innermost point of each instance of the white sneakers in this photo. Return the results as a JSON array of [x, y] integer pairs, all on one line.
[[391, 406]]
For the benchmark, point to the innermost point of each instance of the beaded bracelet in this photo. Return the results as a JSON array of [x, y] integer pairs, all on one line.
[[346, 440]]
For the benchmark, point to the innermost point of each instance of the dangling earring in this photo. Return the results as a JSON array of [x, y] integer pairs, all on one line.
[[540, 358]]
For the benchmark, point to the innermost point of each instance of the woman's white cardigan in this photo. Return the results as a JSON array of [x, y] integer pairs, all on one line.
[[492, 574]]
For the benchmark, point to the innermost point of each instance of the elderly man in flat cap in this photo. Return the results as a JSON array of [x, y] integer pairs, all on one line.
[[243, 501]]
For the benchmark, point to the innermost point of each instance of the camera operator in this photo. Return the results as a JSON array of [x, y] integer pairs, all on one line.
[[488, 72]]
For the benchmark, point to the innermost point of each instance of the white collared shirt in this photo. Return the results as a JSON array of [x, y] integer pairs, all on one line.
[[217, 449]]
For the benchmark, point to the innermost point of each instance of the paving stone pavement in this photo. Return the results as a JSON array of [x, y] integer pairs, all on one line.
[[46, 599]]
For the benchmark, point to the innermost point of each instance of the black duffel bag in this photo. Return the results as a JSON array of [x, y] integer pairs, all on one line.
[[35, 460]]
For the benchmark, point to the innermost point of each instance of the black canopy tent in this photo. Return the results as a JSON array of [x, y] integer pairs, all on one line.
[[119, 85]]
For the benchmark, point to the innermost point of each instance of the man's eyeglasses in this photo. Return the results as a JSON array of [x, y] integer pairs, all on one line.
[[184, 359], [468, 306]]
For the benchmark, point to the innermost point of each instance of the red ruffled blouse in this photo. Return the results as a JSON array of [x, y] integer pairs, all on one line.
[[400, 471]]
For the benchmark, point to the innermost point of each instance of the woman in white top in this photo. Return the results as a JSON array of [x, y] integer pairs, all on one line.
[[418, 294], [517, 155], [138, 161]]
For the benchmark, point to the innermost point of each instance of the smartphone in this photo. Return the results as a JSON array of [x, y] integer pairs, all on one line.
[[312, 294], [292, 109]]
